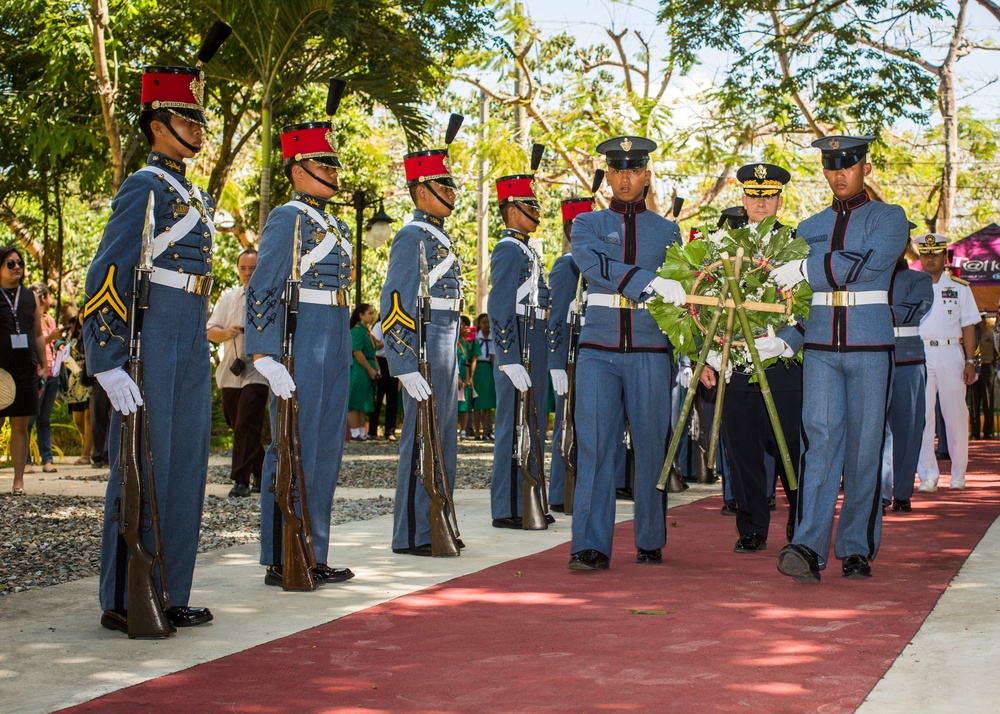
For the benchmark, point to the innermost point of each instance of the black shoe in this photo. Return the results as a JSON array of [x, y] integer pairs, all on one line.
[[648, 557], [272, 576], [557, 507], [729, 509], [942, 456], [772, 502], [550, 519], [750, 543], [118, 620], [902, 504], [588, 560], [185, 616], [424, 550], [239, 490], [885, 505], [514, 522], [98, 464], [624, 494], [255, 486], [799, 562], [323, 573], [460, 543], [790, 527], [856, 566]]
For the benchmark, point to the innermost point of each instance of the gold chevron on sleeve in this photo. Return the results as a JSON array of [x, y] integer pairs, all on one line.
[[397, 315], [107, 294]]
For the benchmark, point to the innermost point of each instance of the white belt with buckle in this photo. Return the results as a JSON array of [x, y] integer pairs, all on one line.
[[619, 301], [942, 343], [907, 331], [540, 314], [188, 282], [449, 304], [333, 298], [846, 298]]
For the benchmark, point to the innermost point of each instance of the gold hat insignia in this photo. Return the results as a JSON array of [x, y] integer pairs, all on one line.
[[760, 172], [834, 144], [331, 139], [198, 89], [626, 145]]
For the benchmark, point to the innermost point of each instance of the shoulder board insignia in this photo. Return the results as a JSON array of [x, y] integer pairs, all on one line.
[[107, 294], [959, 281], [397, 316]]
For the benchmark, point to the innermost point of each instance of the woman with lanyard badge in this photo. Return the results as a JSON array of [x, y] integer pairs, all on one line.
[[22, 349]]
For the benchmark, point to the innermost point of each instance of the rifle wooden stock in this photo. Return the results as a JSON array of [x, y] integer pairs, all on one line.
[[146, 618], [567, 440], [297, 560], [444, 529], [532, 510]]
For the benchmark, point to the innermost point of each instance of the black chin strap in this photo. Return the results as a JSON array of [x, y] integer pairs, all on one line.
[[527, 215], [335, 187], [434, 193], [177, 136]]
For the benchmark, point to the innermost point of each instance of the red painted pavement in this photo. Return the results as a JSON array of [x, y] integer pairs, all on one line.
[[731, 634]]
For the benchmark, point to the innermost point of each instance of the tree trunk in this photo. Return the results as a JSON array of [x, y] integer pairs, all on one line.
[[265, 161], [482, 220], [21, 232], [106, 91]]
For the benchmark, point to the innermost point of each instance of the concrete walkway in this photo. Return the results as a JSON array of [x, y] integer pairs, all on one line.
[[54, 653]]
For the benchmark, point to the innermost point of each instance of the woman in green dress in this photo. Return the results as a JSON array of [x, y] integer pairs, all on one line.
[[364, 371], [485, 399]]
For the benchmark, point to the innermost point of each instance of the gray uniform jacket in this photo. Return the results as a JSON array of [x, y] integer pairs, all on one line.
[[860, 258], [510, 269], [910, 295]]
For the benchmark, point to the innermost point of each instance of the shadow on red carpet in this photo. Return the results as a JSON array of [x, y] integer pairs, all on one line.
[[707, 631]]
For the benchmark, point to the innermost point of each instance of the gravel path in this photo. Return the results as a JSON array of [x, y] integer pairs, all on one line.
[[50, 539]]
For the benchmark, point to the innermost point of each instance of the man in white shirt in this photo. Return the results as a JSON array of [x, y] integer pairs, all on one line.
[[244, 389], [949, 334]]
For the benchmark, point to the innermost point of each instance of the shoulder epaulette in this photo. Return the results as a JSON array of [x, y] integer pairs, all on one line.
[[959, 280]]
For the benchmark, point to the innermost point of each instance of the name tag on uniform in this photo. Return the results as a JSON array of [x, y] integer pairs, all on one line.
[[19, 342]]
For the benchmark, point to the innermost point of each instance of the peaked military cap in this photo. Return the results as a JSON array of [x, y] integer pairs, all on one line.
[[626, 152], [762, 179], [931, 243], [315, 140], [842, 152], [517, 189], [733, 217], [432, 164]]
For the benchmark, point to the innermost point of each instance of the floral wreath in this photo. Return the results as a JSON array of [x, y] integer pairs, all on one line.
[[697, 266]]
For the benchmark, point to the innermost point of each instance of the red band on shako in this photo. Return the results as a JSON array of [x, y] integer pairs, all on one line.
[[172, 89], [308, 141], [426, 166], [573, 207], [515, 188]]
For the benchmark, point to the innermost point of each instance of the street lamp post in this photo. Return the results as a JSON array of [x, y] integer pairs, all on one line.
[[376, 232]]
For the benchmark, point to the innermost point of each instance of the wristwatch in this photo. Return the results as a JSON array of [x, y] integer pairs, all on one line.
[[970, 361]]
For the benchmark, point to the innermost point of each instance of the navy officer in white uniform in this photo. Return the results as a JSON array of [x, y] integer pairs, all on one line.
[[948, 332], [623, 358]]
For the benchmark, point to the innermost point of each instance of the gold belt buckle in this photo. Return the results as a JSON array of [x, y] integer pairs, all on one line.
[[343, 297], [199, 284], [841, 298], [624, 302]]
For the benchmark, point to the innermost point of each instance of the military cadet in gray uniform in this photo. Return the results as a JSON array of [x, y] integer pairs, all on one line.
[[322, 346], [847, 367], [177, 386], [623, 358], [910, 296], [432, 189], [563, 280], [513, 267]]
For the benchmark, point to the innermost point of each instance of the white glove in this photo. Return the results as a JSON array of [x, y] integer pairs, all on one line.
[[670, 290], [560, 381], [768, 347], [684, 377], [276, 375], [415, 385], [518, 375], [715, 362], [790, 274], [123, 393]]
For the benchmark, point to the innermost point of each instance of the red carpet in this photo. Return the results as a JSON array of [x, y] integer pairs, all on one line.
[[724, 633]]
